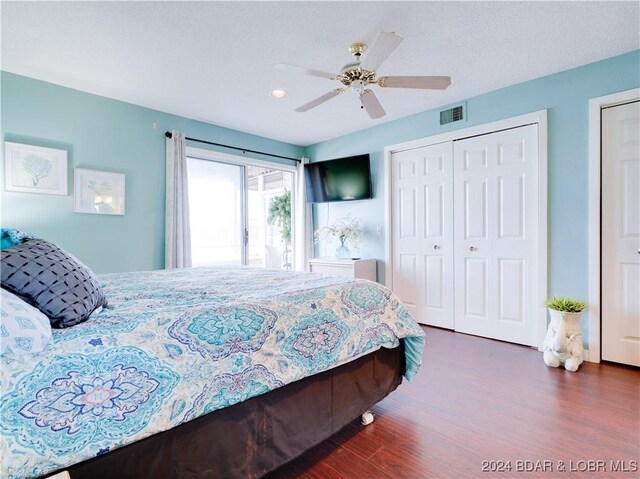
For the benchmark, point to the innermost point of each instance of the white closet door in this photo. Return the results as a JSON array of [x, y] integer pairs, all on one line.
[[621, 234], [422, 189], [496, 234]]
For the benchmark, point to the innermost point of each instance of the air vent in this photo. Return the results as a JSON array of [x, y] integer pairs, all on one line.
[[452, 114]]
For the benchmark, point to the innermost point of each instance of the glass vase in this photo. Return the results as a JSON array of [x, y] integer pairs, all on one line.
[[342, 251]]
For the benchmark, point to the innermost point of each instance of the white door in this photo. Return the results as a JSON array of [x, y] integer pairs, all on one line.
[[422, 199], [496, 234], [620, 284]]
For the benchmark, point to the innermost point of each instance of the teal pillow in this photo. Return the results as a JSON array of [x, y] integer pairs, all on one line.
[[10, 237]]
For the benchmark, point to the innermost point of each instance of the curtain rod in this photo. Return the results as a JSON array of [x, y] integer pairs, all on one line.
[[168, 134]]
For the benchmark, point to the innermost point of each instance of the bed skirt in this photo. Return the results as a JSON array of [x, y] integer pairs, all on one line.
[[256, 436]]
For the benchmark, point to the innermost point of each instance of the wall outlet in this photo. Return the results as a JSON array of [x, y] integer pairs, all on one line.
[[379, 230]]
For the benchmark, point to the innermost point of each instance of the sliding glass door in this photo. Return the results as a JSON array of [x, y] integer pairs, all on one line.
[[216, 207], [240, 214], [269, 217]]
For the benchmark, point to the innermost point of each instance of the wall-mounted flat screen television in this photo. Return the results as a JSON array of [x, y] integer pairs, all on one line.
[[343, 179]]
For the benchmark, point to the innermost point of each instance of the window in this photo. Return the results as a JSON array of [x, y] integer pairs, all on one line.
[[240, 212]]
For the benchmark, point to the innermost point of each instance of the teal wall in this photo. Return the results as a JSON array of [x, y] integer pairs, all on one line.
[[566, 96], [103, 134], [111, 135]]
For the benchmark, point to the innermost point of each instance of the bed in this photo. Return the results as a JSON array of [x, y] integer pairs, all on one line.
[[206, 372]]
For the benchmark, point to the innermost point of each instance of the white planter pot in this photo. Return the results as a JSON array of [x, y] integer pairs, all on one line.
[[563, 343]]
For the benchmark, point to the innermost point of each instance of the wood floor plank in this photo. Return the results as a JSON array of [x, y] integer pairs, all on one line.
[[345, 460], [478, 400], [358, 440]]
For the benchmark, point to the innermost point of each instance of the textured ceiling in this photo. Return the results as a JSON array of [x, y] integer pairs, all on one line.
[[212, 61]]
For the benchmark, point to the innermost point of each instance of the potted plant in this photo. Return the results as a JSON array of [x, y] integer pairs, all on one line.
[[563, 343], [344, 229], [280, 215]]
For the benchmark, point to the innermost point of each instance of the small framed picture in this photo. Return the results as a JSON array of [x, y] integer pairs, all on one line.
[[35, 169], [98, 192]]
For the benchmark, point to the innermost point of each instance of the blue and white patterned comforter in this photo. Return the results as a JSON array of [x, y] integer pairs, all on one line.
[[174, 345]]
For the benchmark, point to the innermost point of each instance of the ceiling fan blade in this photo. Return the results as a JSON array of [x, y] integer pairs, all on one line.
[[427, 83], [319, 101], [285, 67], [372, 105], [384, 46]]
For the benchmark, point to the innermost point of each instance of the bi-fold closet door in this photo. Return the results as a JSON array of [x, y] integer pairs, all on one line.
[[422, 202], [465, 233]]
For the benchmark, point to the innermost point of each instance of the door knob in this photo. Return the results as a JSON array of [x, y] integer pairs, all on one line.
[[437, 246], [473, 248]]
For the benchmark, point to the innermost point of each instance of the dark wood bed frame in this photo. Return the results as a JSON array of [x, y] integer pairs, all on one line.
[[254, 437]]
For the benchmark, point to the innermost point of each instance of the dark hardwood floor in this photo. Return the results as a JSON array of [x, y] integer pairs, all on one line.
[[478, 400]]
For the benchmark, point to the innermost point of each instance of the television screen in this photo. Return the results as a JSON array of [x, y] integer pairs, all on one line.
[[344, 179]]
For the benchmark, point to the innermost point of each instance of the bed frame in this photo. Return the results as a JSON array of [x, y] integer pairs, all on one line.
[[256, 436]]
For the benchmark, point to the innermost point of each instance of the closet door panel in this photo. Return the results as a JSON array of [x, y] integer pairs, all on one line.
[[407, 276], [495, 224], [475, 288], [424, 231], [515, 245], [475, 209]]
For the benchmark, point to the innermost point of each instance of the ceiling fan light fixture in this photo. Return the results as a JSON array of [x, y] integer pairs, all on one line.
[[357, 86], [280, 94]]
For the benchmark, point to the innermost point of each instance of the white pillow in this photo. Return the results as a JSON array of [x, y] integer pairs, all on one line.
[[23, 328]]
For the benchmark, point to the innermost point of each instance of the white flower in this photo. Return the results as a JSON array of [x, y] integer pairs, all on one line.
[[343, 229]]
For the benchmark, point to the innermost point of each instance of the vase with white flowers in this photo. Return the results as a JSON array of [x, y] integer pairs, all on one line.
[[345, 229]]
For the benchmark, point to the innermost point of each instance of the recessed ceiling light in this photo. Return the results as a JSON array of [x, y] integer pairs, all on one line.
[[278, 93]]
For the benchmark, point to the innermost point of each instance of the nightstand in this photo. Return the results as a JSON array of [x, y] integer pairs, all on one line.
[[351, 268]]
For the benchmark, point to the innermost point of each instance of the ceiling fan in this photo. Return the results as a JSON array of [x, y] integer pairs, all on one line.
[[361, 73]]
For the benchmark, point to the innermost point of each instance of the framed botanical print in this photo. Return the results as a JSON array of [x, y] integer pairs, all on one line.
[[98, 192], [35, 169]]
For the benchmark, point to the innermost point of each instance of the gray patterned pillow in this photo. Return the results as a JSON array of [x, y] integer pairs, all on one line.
[[52, 280]]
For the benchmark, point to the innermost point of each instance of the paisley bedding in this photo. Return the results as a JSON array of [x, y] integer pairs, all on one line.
[[176, 344]]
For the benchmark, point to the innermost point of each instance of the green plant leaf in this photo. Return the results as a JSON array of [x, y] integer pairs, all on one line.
[[280, 215], [565, 304]]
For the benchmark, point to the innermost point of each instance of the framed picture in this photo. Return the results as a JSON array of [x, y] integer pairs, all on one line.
[[98, 192], [35, 169]]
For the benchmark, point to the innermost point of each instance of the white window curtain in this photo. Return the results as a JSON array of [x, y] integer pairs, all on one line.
[[177, 229], [302, 221]]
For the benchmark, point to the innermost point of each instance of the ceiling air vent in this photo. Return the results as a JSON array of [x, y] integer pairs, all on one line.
[[452, 114]]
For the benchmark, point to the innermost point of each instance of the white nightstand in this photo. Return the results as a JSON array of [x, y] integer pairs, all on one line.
[[351, 268]]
